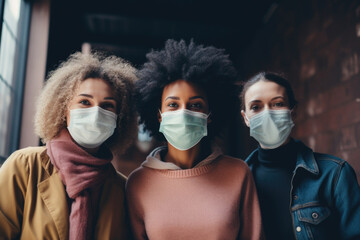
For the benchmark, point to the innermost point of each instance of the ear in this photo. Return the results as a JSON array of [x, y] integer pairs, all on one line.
[[209, 120], [159, 116], [245, 118], [294, 113], [67, 117]]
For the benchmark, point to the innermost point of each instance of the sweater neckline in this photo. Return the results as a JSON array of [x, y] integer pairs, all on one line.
[[154, 159], [185, 173]]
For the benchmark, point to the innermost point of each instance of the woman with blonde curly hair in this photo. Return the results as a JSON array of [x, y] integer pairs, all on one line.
[[69, 189]]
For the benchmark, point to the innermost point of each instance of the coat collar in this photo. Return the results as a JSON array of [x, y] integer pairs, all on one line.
[[305, 158], [55, 200]]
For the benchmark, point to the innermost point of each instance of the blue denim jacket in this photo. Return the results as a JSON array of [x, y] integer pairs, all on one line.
[[325, 202]]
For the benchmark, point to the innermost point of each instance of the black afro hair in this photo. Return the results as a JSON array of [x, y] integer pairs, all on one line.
[[208, 67]]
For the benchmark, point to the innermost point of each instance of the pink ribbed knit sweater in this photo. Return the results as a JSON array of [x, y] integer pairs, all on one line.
[[214, 201]]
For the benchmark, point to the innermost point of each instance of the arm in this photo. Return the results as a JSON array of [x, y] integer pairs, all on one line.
[[13, 182], [250, 215], [347, 202]]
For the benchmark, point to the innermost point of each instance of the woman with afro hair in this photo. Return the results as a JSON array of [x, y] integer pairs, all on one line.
[[187, 189]]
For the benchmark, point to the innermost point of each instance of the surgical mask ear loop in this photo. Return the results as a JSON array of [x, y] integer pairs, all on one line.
[[208, 117], [292, 114], [246, 116], [160, 117]]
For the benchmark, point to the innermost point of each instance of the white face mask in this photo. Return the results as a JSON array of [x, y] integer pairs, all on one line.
[[183, 129], [271, 128], [90, 127]]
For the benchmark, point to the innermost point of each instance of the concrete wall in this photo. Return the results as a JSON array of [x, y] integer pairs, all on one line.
[[35, 70]]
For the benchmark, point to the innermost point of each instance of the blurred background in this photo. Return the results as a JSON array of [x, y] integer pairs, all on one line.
[[316, 44]]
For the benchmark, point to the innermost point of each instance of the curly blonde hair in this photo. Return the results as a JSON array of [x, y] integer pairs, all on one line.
[[59, 89]]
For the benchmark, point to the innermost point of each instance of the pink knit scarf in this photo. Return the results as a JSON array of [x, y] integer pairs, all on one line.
[[83, 175]]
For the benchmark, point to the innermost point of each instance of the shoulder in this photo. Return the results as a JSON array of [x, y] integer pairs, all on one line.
[[323, 158], [26, 158], [233, 164], [139, 181], [326, 163], [336, 166], [25, 166], [236, 162], [139, 175], [29, 152], [252, 157]]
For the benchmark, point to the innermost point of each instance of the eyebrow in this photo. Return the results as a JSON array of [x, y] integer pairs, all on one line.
[[85, 95], [254, 101], [195, 97], [109, 98], [271, 99], [172, 97], [191, 98], [90, 96], [277, 97]]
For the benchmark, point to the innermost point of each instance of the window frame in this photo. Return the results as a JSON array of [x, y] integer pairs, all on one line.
[[19, 70]]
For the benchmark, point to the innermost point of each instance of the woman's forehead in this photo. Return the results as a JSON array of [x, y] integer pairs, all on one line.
[[264, 90], [183, 87]]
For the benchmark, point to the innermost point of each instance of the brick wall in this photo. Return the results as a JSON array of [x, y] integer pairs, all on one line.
[[317, 45]]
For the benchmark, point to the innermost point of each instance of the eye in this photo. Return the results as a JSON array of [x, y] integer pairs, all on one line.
[[254, 108], [108, 106], [279, 104], [84, 102], [172, 105], [196, 106]]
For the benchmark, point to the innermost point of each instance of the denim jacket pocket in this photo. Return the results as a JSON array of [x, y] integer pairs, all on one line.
[[313, 215]]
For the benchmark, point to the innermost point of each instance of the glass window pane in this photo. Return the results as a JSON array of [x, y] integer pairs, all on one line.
[[7, 56], [12, 14], [5, 110]]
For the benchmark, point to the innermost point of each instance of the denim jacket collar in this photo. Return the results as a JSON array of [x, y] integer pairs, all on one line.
[[305, 158]]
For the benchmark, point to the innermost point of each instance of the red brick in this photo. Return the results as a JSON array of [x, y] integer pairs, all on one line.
[[334, 97], [300, 114], [299, 91], [357, 134], [308, 69], [305, 128], [350, 66], [344, 92], [317, 105], [346, 114], [324, 143], [352, 157], [332, 120], [348, 138]]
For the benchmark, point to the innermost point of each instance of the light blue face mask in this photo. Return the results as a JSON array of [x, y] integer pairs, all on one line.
[[271, 128], [90, 127], [183, 129]]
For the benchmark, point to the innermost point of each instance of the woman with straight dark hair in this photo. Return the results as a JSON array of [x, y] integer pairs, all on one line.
[[303, 194]]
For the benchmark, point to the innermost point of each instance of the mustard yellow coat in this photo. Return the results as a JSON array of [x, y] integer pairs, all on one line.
[[33, 201]]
